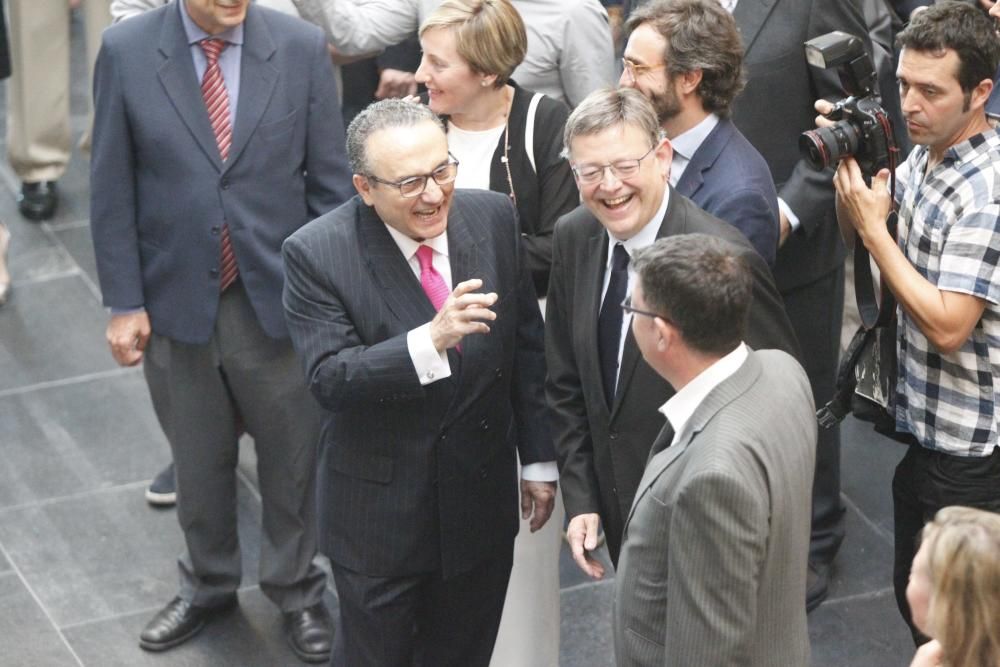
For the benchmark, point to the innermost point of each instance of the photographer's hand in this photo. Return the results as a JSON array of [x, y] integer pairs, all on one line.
[[823, 107], [862, 207]]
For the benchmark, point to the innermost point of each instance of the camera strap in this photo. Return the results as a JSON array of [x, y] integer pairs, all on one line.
[[877, 312], [874, 311]]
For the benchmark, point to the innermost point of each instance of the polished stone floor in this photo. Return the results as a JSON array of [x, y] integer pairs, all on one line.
[[84, 562]]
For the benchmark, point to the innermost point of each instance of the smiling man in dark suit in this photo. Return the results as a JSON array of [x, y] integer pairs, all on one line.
[[216, 135], [603, 395], [414, 314], [686, 57]]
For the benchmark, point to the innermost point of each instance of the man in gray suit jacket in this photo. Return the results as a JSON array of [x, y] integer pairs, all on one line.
[[189, 208], [713, 567], [428, 389]]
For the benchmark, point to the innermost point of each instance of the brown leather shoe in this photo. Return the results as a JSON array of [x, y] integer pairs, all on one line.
[[178, 622], [310, 633]]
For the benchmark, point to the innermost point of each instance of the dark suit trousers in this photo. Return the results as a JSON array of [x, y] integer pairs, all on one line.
[[420, 620], [199, 392], [816, 313]]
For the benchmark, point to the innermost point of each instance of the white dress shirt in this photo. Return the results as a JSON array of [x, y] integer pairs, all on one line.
[[687, 143], [679, 408]]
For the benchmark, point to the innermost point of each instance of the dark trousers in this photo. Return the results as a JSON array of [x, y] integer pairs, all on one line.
[[420, 620], [816, 312], [925, 481], [199, 393]]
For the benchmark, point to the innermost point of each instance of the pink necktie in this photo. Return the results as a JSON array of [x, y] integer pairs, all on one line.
[[432, 282], [213, 89]]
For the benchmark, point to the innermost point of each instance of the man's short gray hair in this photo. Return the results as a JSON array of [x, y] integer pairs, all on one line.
[[382, 115], [607, 108]]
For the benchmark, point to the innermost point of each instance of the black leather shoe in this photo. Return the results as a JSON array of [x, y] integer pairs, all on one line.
[[310, 633], [38, 201], [817, 585], [178, 622]]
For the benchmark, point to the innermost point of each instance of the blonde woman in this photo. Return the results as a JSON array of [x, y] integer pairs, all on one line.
[[505, 138], [954, 589]]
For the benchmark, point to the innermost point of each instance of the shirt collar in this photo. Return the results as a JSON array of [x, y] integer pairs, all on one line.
[[681, 406], [687, 143], [645, 236], [972, 146], [409, 246], [195, 34]]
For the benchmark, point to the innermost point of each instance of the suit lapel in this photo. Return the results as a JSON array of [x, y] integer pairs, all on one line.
[[750, 16], [704, 158], [464, 257], [257, 81], [179, 81], [594, 264], [390, 271]]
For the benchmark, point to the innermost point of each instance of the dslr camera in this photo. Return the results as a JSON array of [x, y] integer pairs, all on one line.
[[862, 129]]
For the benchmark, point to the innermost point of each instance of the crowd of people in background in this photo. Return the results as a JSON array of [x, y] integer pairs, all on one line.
[[478, 276]]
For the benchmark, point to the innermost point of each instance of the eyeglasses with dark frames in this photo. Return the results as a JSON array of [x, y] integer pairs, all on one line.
[[622, 169], [635, 70], [630, 310], [414, 186]]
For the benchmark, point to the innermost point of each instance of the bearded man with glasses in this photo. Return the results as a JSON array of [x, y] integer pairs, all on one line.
[[604, 396]]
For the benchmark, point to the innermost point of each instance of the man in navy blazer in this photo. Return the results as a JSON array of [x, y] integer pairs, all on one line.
[[188, 212], [686, 56], [428, 389]]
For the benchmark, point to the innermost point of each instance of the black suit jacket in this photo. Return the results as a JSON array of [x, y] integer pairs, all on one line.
[[777, 106], [414, 478], [603, 452]]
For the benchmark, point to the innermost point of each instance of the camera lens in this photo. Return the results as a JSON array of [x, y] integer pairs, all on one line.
[[823, 147]]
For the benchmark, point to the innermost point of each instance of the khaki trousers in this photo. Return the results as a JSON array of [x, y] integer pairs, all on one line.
[[38, 129]]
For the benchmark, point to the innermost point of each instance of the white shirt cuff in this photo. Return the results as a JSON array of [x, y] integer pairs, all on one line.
[[545, 471], [793, 220], [430, 364]]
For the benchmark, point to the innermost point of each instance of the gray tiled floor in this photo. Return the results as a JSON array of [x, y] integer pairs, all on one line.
[[84, 562]]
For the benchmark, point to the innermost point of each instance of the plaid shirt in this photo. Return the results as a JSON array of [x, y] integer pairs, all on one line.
[[949, 229]]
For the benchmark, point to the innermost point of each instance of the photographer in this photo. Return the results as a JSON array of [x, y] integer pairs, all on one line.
[[943, 271]]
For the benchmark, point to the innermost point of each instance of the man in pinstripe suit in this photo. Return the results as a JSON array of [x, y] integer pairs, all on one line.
[[427, 389], [713, 565]]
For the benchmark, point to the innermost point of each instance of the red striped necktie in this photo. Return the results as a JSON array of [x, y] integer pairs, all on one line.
[[213, 90]]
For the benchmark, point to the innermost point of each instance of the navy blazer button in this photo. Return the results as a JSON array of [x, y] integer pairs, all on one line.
[[216, 229], [213, 273], [485, 425], [225, 184]]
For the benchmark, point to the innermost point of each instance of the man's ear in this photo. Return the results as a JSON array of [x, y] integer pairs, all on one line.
[[981, 94], [363, 187], [688, 82], [666, 333], [665, 155]]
